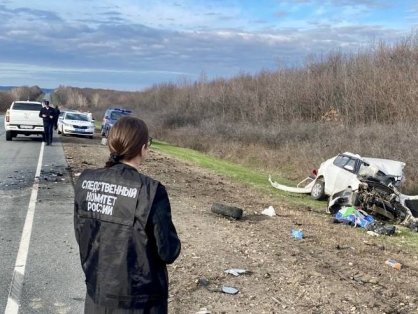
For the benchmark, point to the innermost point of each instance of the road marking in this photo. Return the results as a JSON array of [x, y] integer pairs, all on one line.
[[13, 300]]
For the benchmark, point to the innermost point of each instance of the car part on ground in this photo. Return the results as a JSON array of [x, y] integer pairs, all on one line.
[[227, 210], [344, 170], [379, 200]]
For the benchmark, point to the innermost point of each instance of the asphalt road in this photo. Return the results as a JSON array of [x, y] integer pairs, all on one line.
[[40, 271]]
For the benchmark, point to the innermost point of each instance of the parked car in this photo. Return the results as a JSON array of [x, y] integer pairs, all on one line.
[[23, 118], [75, 123], [346, 170], [110, 117]]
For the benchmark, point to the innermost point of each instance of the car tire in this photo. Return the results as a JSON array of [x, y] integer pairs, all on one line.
[[225, 210], [318, 189], [9, 135]]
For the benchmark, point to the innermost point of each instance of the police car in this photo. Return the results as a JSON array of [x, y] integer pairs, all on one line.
[[76, 123], [110, 117]]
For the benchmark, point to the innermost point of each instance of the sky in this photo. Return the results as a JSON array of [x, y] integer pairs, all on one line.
[[135, 44]]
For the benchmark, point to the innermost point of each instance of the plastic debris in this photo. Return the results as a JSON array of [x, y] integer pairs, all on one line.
[[203, 282], [354, 217], [394, 264], [236, 271], [229, 290], [269, 211], [203, 310], [297, 234]]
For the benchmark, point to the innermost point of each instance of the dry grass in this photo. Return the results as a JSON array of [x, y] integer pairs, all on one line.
[[293, 150]]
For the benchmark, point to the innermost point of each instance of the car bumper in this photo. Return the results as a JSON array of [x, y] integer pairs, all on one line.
[[24, 129], [86, 132]]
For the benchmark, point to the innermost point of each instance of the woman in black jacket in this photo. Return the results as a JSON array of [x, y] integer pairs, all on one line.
[[123, 226]]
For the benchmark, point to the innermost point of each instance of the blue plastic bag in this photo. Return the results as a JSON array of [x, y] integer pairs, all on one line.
[[355, 217]]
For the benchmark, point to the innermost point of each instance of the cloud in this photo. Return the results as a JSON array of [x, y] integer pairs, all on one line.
[[127, 43]]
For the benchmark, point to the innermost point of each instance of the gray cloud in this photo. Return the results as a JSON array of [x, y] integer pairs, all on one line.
[[109, 49]]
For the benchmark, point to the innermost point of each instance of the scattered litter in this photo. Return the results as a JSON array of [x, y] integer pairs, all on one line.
[[225, 289], [236, 271], [297, 234], [394, 264], [339, 247], [354, 217], [269, 211], [77, 174], [204, 282], [372, 233], [203, 310], [104, 141], [229, 290], [381, 228]]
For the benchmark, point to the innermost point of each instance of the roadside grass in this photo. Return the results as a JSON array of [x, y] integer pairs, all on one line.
[[249, 176], [405, 236], [259, 180]]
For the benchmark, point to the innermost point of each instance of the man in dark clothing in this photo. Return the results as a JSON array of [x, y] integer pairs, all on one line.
[[47, 115], [56, 116]]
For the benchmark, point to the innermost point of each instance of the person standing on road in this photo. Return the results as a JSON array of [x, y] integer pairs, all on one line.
[[47, 115], [56, 116], [123, 226]]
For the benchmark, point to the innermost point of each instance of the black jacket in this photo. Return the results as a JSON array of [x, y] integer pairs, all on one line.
[[50, 114], [126, 237]]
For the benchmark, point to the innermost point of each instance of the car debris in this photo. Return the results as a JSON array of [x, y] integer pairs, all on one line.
[[344, 170], [383, 202], [227, 210], [394, 264], [203, 282], [370, 184], [237, 271], [203, 310]]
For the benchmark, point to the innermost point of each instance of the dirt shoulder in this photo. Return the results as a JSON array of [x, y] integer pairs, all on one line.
[[335, 269]]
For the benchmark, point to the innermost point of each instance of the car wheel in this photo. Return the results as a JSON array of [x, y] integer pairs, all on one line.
[[9, 135], [226, 210], [318, 190]]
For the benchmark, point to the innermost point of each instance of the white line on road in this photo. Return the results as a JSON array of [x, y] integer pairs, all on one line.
[[13, 300]]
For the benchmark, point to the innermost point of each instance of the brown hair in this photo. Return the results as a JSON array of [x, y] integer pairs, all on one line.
[[126, 139]]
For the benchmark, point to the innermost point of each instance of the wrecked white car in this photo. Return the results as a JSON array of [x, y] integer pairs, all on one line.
[[345, 170], [379, 200]]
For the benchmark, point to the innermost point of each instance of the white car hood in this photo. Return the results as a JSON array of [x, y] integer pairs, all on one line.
[[77, 122], [389, 167]]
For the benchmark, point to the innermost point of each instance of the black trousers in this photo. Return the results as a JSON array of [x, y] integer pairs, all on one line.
[[48, 130], [155, 308]]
